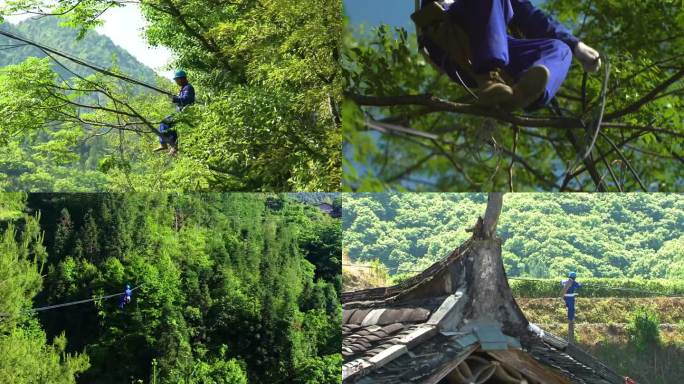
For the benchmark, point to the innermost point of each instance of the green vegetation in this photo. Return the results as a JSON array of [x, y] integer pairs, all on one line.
[[435, 142], [93, 48], [643, 329], [603, 310], [545, 235], [26, 354], [642, 338], [600, 287], [230, 288], [266, 118]]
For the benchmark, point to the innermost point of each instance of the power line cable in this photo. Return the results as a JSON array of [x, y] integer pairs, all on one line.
[[68, 304], [82, 62]]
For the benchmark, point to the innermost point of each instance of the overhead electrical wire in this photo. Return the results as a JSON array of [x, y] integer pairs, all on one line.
[[68, 304], [82, 62]]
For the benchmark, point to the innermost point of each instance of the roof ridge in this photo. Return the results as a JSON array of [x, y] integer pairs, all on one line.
[[372, 294]]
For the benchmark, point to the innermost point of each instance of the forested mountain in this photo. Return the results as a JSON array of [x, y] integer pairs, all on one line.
[[545, 235], [93, 48], [226, 288], [266, 116]]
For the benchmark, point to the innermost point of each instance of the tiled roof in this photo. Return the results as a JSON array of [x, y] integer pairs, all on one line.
[[402, 334]]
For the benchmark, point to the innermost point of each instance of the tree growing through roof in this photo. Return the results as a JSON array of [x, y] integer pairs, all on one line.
[[486, 286]]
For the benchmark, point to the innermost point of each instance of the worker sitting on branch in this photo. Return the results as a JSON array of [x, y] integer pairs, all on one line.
[[469, 41], [168, 138]]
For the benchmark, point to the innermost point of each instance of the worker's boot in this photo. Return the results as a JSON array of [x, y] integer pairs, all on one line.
[[162, 147], [530, 87], [173, 149], [492, 89]]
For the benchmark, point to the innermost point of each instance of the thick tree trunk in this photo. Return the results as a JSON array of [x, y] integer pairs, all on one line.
[[486, 228], [492, 213], [491, 299]]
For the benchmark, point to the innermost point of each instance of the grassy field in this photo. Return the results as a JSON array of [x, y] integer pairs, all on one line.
[[601, 328]]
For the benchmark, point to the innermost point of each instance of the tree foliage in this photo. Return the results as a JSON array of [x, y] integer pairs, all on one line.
[[545, 235], [27, 357], [226, 287], [266, 119], [407, 127]]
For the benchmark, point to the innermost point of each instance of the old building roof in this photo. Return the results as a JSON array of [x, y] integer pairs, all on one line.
[[422, 331]]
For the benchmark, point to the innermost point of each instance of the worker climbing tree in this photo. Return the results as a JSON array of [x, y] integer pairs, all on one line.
[[186, 96], [269, 117], [485, 95]]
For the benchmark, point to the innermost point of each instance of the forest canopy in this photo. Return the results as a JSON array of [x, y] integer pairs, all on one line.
[[266, 116], [226, 289], [544, 234], [407, 127]]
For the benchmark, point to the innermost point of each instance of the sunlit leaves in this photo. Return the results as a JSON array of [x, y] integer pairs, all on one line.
[[475, 153]]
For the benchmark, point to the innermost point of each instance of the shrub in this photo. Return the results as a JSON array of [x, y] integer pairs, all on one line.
[[643, 328]]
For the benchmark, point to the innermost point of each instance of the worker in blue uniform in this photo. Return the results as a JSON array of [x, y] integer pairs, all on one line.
[[126, 296], [168, 137], [536, 65], [570, 287]]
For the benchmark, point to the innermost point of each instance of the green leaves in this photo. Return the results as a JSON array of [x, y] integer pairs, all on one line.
[[266, 119], [466, 153], [27, 357], [224, 291], [545, 235]]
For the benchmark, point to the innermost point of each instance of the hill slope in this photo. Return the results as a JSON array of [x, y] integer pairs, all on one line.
[[545, 235], [93, 48]]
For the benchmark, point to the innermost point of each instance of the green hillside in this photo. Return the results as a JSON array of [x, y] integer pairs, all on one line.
[[93, 48], [227, 287], [545, 235]]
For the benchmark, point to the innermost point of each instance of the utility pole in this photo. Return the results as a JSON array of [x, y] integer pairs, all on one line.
[[571, 331]]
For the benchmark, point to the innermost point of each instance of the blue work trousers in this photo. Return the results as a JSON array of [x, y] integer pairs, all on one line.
[[570, 304], [168, 134], [486, 24]]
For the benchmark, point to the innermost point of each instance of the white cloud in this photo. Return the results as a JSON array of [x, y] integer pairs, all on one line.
[[124, 26]]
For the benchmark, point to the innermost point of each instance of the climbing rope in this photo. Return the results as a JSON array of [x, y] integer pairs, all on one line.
[[81, 62], [598, 120]]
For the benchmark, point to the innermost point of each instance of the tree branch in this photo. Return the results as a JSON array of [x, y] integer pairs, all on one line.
[[440, 105], [647, 98]]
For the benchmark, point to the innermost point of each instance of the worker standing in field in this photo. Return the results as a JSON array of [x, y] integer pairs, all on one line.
[[569, 292], [186, 96]]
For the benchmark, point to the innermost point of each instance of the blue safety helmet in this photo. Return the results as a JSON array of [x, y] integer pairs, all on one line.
[[572, 275], [180, 75]]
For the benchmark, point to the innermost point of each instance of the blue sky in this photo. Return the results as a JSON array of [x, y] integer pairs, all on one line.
[[374, 12], [393, 12]]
